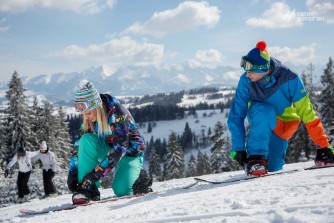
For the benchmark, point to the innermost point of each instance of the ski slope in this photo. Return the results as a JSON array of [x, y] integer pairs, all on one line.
[[302, 196]]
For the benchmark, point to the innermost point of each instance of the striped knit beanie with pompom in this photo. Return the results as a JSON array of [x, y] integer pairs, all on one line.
[[89, 95]]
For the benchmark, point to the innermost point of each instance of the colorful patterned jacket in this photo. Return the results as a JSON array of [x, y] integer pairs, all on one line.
[[285, 91], [123, 132], [123, 136]]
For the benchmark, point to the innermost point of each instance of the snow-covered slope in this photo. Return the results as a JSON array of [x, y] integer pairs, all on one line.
[[303, 196]]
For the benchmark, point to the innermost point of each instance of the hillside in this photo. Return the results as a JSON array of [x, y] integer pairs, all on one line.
[[303, 197]]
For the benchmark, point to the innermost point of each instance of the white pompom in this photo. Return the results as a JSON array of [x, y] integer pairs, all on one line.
[[83, 84]]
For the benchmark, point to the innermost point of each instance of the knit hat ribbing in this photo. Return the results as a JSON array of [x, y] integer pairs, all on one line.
[[88, 95], [43, 145], [259, 54]]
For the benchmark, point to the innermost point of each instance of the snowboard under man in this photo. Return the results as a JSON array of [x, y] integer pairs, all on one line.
[[274, 99]]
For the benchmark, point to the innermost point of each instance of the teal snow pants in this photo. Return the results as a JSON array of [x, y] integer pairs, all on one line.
[[93, 150]]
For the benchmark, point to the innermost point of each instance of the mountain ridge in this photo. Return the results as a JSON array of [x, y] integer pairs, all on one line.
[[129, 80]]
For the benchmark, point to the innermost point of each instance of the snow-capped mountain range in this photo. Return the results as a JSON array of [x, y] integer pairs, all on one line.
[[128, 81], [60, 87]]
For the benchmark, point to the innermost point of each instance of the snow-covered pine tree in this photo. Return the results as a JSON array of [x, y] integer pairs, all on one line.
[[327, 100], [203, 164], [149, 127], [310, 86], [206, 164], [219, 157], [191, 169], [174, 161], [2, 146], [154, 165], [63, 145], [34, 113], [52, 131], [16, 127], [203, 140], [200, 163], [149, 147], [187, 138], [46, 124]]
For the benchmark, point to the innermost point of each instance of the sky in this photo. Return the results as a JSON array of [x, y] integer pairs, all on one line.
[[298, 197], [52, 36]]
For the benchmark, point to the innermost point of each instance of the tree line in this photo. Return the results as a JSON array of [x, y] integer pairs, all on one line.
[[26, 125], [166, 158]]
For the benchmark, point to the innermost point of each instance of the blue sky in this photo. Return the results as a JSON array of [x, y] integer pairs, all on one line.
[[51, 36]]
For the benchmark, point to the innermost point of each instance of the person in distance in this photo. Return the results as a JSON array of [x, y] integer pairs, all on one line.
[[23, 158], [49, 169]]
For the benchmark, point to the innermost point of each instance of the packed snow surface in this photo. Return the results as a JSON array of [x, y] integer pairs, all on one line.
[[302, 196]]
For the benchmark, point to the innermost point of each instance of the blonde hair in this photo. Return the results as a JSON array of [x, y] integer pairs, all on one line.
[[102, 120]]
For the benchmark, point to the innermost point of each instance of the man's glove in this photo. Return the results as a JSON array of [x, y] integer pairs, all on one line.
[[325, 156], [6, 173], [239, 156]]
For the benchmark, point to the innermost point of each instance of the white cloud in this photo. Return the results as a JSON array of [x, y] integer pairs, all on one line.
[[297, 56], [187, 16], [277, 16], [322, 8], [4, 29], [232, 77], [116, 52], [206, 58], [78, 6]]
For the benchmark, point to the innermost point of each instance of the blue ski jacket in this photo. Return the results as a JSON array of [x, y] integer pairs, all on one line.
[[284, 90]]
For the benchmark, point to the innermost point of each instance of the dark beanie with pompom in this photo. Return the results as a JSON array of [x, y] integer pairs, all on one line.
[[259, 54]]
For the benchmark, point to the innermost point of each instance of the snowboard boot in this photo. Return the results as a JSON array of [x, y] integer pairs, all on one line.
[[325, 156], [21, 200], [53, 194], [142, 186], [256, 165], [44, 196], [83, 196]]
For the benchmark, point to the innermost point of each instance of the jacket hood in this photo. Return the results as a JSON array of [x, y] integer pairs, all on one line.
[[277, 66]]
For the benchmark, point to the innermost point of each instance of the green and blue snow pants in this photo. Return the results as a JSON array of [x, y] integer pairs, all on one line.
[[93, 150]]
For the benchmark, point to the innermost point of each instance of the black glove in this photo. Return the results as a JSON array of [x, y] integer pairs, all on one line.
[[72, 180], [239, 156], [325, 156], [89, 180], [6, 173]]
